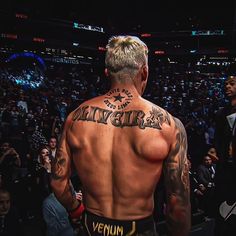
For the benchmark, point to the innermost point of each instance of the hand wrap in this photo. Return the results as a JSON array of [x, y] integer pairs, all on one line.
[[77, 212]]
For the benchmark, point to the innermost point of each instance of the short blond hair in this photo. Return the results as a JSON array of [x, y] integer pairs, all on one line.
[[125, 53]]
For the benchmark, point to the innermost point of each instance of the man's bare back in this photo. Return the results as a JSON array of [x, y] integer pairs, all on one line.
[[119, 153], [120, 144]]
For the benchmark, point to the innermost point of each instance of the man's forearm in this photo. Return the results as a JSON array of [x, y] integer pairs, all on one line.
[[178, 218], [65, 194], [176, 173]]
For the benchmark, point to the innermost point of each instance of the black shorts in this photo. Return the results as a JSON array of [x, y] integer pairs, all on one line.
[[95, 225]]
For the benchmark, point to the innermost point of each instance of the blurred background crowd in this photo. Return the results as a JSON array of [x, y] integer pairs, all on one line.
[[32, 120], [50, 63]]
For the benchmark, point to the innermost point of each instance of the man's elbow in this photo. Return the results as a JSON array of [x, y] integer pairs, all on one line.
[[56, 185]]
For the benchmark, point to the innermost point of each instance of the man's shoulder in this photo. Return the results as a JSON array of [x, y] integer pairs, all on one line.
[[166, 120], [178, 124], [153, 106], [173, 118]]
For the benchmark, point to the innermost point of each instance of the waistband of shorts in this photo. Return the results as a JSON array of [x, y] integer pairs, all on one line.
[[95, 222]]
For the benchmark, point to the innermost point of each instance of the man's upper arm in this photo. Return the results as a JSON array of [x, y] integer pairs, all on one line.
[[61, 163], [176, 174], [61, 172]]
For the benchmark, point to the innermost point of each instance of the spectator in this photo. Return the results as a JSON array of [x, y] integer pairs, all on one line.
[[56, 218], [9, 163], [38, 182], [206, 177], [54, 214], [212, 154], [225, 140], [22, 103], [226, 122], [53, 146], [196, 189], [10, 224]]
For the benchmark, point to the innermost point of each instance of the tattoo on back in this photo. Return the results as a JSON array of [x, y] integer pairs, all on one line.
[[118, 98], [129, 118]]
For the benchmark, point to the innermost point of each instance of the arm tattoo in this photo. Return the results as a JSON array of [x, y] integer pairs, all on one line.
[[58, 167], [61, 172], [60, 180], [177, 184]]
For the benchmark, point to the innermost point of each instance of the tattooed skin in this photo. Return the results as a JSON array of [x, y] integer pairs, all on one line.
[[59, 169], [177, 184], [118, 98], [60, 181], [154, 119]]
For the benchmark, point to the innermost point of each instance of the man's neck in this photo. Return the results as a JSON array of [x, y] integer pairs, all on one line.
[[125, 87]]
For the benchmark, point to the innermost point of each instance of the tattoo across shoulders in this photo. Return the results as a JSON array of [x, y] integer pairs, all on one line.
[[155, 118]]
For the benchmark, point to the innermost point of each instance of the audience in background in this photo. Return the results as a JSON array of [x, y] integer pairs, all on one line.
[[31, 117]]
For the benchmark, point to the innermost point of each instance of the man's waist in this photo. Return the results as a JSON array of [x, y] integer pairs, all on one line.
[[99, 225]]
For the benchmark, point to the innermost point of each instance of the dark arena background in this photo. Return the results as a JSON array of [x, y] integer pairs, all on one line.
[[52, 59]]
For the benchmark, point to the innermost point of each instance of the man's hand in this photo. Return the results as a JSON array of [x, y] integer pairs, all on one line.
[[79, 195]]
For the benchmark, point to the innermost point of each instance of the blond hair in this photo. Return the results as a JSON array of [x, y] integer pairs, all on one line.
[[125, 54]]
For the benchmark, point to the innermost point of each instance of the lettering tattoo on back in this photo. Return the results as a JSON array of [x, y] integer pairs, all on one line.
[[155, 119]]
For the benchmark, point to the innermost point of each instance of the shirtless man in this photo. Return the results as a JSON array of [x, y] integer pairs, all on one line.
[[120, 143]]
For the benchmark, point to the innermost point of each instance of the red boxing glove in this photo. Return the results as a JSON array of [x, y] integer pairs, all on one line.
[[77, 212]]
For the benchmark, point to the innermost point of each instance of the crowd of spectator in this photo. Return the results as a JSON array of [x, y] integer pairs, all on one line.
[[32, 117]]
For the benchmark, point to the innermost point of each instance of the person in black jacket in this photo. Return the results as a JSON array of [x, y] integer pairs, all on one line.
[[206, 177], [196, 189], [225, 143], [226, 123], [206, 172]]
